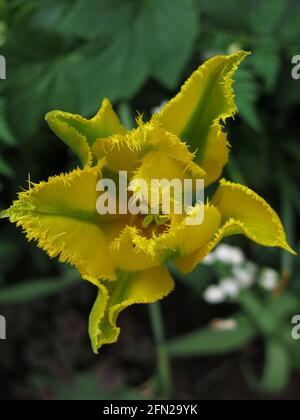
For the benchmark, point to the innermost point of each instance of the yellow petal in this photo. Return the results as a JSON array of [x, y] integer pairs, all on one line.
[[216, 155], [205, 100], [128, 152], [243, 212], [80, 133], [193, 237], [169, 160], [119, 153], [256, 218], [136, 249], [133, 251], [61, 216], [75, 140], [130, 288]]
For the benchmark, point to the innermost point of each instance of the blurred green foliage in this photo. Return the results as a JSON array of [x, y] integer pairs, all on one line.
[[69, 54]]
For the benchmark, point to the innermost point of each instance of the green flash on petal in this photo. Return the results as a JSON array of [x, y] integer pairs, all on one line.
[[80, 133], [197, 112]]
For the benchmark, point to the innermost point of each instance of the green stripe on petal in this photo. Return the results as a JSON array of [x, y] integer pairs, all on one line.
[[130, 288], [80, 133], [242, 212], [195, 113], [75, 140], [60, 215], [258, 220]]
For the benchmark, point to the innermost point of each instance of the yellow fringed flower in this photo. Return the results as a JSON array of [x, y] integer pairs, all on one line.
[[125, 255]]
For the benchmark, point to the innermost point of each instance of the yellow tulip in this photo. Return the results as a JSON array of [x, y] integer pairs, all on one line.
[[125, 255]]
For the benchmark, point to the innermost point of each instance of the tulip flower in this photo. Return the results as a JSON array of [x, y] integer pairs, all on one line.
[[125, 255]]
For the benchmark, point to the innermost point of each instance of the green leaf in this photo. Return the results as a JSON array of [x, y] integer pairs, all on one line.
[[287, 92], [255, 309], [286, 338], [276, 373], [50, 12], [236, 16], [247, 94], [121, 45], [92, 19], [53, 86], [6, 135], [211, 341], [266, 61], [266, 16], [148, 26], [169, 21], [284, 307], [5, 168], [290, 31], [38, 288]]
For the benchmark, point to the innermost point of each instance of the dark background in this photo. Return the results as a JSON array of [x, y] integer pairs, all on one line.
[[69, 54]]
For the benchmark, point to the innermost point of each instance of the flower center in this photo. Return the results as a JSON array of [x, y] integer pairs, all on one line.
[[151, 224]]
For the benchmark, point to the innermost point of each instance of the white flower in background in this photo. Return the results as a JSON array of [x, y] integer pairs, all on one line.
[[227, 289], [230, 287], [250, 267], [209, 259], [269, 279], [244, 276], [229, 254], [226, 254], [156, 109], [241, 274], [214, 295]]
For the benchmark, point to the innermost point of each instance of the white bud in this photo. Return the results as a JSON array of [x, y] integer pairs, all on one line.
[[230, 287], [229, 254], [209, 259], [269, 279], [214, 295], [244, 277]]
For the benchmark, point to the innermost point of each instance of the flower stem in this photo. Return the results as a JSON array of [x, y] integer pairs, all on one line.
[[163, 362]]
